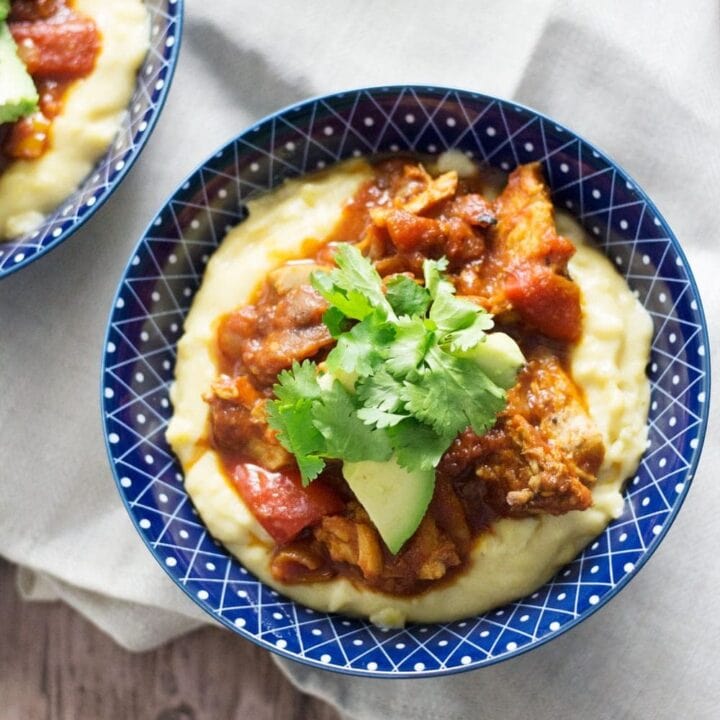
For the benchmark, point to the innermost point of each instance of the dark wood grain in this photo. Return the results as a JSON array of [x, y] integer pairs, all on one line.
[[54, 665]]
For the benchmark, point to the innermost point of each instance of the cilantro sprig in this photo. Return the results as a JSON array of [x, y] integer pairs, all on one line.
[[401, 380]]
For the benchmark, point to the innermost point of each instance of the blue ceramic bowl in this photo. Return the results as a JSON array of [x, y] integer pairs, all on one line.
[[153, 83], [166, 268]]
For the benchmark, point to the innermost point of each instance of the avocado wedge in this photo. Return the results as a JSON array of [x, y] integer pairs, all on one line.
[[395, 498], [499, 357], [18, 95]]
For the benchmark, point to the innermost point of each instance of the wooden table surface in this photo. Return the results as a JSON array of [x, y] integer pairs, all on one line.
[[55, 665]]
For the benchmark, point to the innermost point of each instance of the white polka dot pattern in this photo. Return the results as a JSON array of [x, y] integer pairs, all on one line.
[[156, 292]]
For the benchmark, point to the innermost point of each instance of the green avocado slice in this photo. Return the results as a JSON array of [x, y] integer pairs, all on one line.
[[499, 357], [18, 95], [395, 498]]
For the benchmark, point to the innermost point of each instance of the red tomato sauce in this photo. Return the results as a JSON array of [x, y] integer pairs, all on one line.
[[544, 452], [58, 46]]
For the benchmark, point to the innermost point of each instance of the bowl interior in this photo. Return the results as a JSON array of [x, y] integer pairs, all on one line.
[[151, 88], [165, 271]]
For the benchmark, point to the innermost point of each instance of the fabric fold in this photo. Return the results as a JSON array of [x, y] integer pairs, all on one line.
[[135, 626]]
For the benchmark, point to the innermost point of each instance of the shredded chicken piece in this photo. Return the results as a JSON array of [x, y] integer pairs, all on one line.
[[418, 192], [448, 513], [430, 551], [238, 388], [352, 542], [421, 191], [352, 539], [238, 419], [524, 274], [526, 221], [545, 451], [300, 562]]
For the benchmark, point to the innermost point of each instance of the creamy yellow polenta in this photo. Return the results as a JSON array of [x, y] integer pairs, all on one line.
[[91, 115], [518, 555]]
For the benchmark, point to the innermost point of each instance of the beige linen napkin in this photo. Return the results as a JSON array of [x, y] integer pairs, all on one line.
[[640, 80]]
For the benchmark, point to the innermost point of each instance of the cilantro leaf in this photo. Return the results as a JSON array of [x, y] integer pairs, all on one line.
[[380, 418], [354, 287], [382, 404], [450, 313], [298, 383], [359, 350], [432, 272], [407, 297], [460, 323], [412, 341], [335, 321], [469, 337], [381, 391], [357, 273], [350, 303], [299, 436], [428, 400], [452, 394], [417, 446], [354, 352], [347, 437], [290, 415]]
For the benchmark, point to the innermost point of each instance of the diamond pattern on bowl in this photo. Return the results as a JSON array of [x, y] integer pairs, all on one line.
[[165, 271]]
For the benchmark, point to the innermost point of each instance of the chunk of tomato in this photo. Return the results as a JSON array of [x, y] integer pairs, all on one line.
[[280, 503], [546, 301], [64, 49], [410, 232]]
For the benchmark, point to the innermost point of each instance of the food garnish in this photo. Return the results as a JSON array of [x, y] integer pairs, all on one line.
[[402, 381]]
